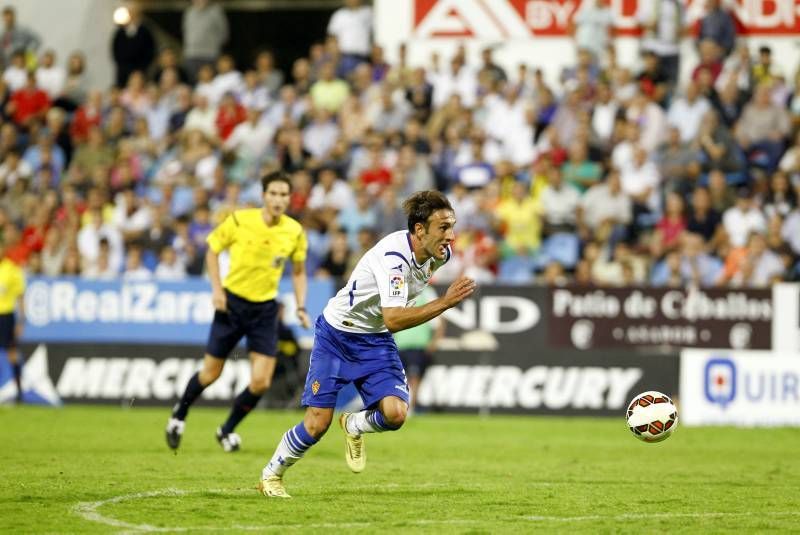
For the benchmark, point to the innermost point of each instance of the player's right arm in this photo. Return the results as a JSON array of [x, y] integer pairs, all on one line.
[[218, 240], [400, 318]]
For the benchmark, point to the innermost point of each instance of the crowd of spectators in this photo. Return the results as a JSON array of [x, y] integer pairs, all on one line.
[[617, 175]]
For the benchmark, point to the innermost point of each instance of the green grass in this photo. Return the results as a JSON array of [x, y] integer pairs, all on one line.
[[108, 470]]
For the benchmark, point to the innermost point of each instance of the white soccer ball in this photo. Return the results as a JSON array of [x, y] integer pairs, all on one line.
[[652, 416]]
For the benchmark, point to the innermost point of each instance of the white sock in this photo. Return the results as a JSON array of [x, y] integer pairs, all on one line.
[[293, 445]]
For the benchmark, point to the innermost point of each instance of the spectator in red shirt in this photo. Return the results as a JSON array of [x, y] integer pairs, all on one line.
[[34, 232], [376, 176], [669, 229], [87, 116], [16, 249], [29, 103], [710, 53], [230, 114]]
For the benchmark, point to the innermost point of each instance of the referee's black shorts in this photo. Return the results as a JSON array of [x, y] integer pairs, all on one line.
[[7, 336], [258, 322]]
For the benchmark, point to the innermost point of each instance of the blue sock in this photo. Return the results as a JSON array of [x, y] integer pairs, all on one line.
[[371, 421]]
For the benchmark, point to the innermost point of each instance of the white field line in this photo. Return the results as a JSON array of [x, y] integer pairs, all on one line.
[[89, 511]]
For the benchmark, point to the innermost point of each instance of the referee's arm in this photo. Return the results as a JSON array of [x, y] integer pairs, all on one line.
[[300, 284], [217, 294]]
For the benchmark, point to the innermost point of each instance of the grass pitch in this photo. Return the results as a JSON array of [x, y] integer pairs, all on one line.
[[108, 470]]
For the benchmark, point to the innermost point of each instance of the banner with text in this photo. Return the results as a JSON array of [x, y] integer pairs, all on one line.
[[500, 19], [542, 381], [746, 388], [505, 318], [134, 374], [586, 318], [145, 312]]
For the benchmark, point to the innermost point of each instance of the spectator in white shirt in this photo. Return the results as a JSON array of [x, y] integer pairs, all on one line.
[[743, 218], [622, 155], [250, 139], [560, 204], [606, 203], [169, 266], [686, 113], [790, 231], [604, 113], [640, 180], [101, 268], [593, 22], [91, 235], [352, 27], [320, 136], [16, 75], [132, 214], [289, 108], [458, 79], [135, 270], [49, 76], [651, 119], [202, 117], [330, 195], [253, 94], [227, 80]]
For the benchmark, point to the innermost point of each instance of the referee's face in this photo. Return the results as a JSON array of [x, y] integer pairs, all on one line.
[[276, 198]]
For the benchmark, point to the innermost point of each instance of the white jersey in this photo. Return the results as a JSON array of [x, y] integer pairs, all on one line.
[[387, 275]]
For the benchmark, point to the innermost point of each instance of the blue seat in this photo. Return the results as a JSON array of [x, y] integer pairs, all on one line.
[[563, 247], [516, 270]]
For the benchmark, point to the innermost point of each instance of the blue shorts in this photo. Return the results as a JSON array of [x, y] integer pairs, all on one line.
[[370, 361], [256, 321], [8, 337]]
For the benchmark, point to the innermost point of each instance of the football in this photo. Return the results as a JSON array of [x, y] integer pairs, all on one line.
[[652, 416]]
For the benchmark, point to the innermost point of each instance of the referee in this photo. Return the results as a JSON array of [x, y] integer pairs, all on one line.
[[12, 292], [260, 241]]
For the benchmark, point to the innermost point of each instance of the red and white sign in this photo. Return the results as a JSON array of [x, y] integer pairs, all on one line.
[[509, 19]]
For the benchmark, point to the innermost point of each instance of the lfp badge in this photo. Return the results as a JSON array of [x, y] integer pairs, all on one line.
[[720, 381]]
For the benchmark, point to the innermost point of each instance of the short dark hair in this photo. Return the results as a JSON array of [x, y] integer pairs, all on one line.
[[422, 204], [275, 176]]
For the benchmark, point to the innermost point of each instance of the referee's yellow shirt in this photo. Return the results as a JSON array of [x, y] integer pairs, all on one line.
[[258, 252], [12, 285]]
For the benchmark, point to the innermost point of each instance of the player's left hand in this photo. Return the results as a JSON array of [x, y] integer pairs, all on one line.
[[305, 319]]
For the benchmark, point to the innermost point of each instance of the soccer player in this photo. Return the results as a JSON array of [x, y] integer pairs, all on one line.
[[12, 292], [353, 338], [259, 240]]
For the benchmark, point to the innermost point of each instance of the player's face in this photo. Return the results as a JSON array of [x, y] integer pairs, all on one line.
[[439, 233], [276, 198]]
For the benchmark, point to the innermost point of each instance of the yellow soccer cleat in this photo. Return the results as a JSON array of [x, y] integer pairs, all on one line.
[[272, 487], [355, 453]]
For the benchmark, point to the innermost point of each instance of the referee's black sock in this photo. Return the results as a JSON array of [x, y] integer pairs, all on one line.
[[192, 392], [242, 405], [17, 368]]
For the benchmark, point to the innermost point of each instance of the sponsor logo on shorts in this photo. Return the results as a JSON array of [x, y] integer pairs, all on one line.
[[402, 388]]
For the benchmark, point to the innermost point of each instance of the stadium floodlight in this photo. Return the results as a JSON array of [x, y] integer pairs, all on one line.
[[122, 16]]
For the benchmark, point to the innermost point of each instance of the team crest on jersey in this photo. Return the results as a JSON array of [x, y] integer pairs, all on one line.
[[315, 387], [396, 283], [278, 261]]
